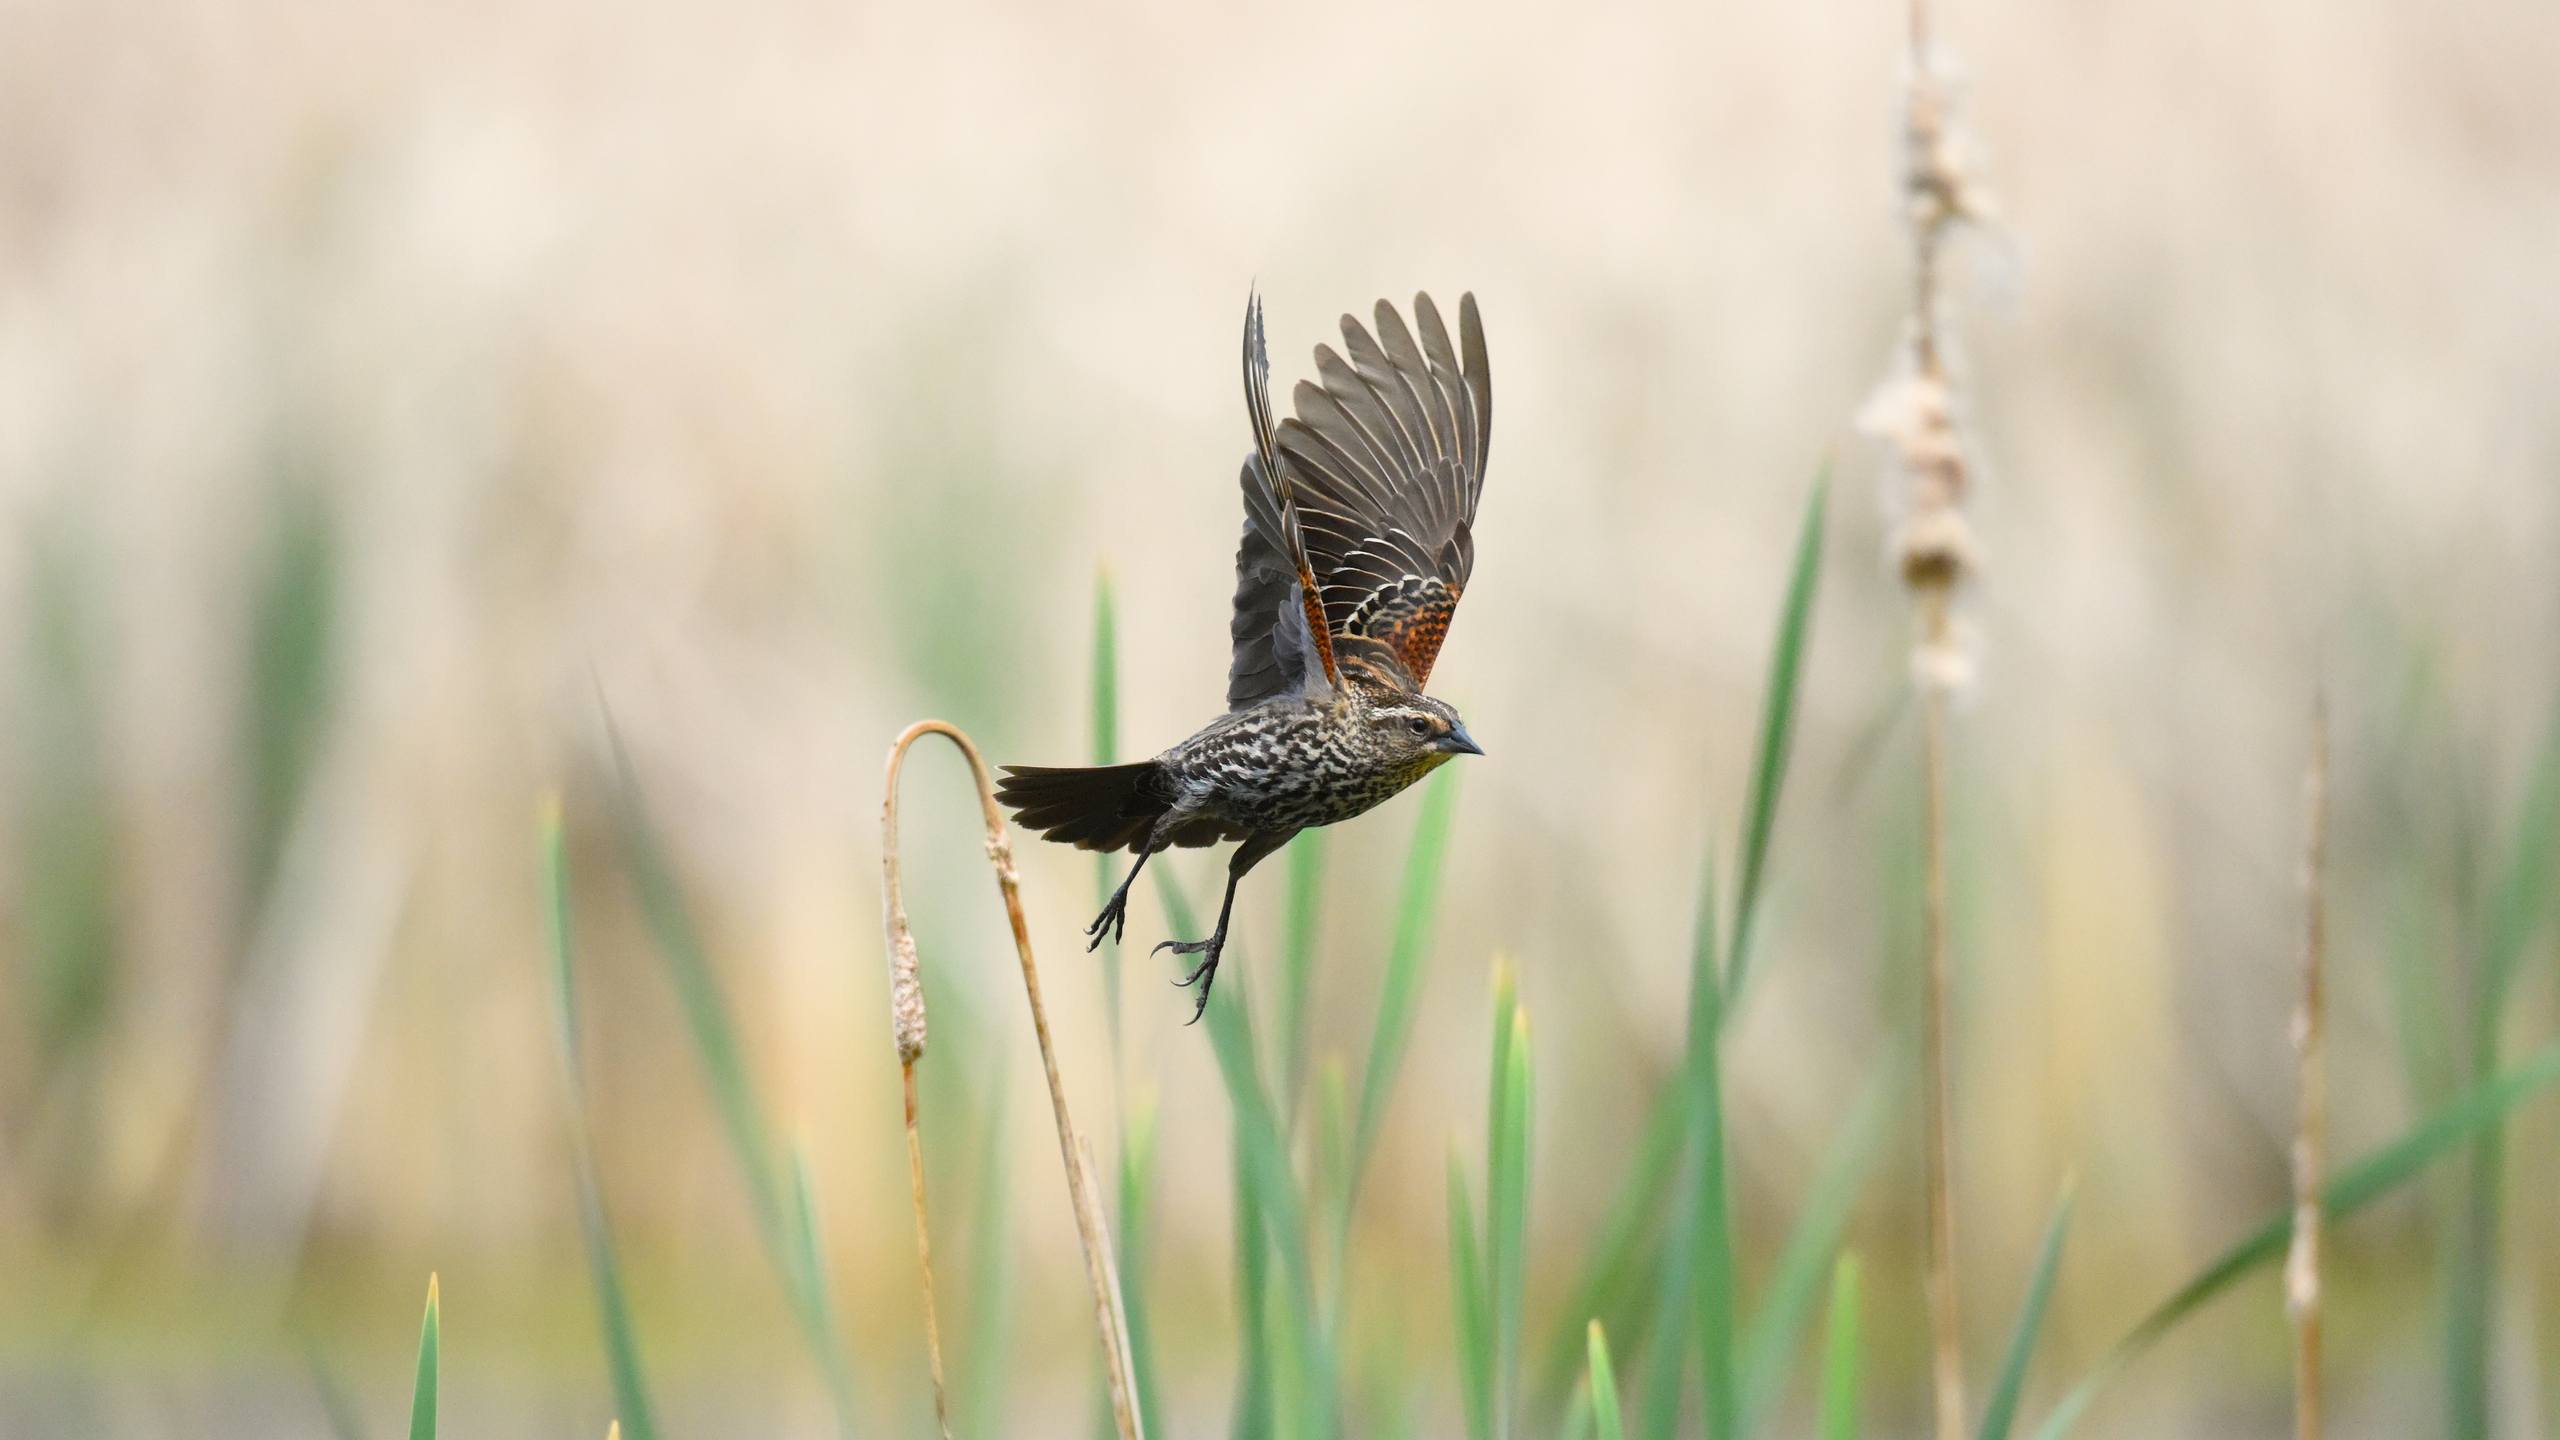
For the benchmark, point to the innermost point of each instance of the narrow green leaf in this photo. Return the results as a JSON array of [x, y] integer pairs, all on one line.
[[1106, 751], [1417, 906], [1606, 1422], [1471, 1307], [1770, 1342], [1777, 725], [1501, 1224], [1666, 1349], [813, 1298], [1298, 967], [714, 1034], [2526, 885], [604, 1266], [980, 1404], [295, 669], [1577, 1411], [422, 1400], [2349, 1191], [1507, 1222], [723, 1060], [2516, 909], [1263, 1155], [1840, 1355], [345, 1420], [1135, 1195], [2003, 1408], [1253, 1419], [1709, 1214], [2418, 1007], [1611, 1276]]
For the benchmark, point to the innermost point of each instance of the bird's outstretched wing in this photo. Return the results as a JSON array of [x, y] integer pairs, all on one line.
[[1281, 644], [1384, 463]]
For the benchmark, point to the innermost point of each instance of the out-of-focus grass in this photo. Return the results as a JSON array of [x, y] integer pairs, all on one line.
[[777, 1196], [1840, 1355], [2002, 1409], [293, 671], [604, 1264], [2350, 1190], [65, 973]]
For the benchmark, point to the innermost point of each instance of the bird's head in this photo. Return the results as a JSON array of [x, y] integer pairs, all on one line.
[[1419, 728]]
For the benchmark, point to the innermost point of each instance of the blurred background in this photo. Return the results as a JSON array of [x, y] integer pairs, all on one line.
[[388, 391]]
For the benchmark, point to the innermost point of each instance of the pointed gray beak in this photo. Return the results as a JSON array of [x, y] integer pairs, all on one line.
[[1459, 742]]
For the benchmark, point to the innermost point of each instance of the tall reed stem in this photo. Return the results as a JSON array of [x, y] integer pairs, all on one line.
[[1945, 1334], [1914, 414], [907, 1024], [2310, 1140]]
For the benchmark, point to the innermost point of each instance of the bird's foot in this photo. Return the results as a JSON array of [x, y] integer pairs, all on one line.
[[1113, 921], [1204, 974]]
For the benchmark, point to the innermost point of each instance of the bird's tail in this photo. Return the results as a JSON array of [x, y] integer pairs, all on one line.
[[1106, 807]]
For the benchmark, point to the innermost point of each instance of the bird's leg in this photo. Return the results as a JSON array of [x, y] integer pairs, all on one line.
[[1205, 974], [1115, 911]]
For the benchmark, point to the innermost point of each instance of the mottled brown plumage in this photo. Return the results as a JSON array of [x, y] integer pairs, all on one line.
[[1359, 512]]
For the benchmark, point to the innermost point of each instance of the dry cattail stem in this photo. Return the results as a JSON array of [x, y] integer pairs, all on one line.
[[907, 1024], [2302, 1264], [1914, 414]]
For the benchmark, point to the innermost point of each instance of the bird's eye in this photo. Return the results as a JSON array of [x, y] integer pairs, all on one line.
[[1419, 726]]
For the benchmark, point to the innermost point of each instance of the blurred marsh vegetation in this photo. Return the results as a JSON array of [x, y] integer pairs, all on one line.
[[383, 385]]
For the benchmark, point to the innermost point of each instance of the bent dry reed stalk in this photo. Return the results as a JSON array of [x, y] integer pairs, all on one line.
[[908, 1028], [1913, 413]]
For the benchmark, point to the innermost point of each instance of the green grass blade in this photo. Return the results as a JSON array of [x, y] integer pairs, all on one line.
[[604, 1267], [2516, 910], [1605, 1420], [1770, 1342], [1416, 908], [346, 1421], [1507, 1221], [1577, 1411], [2418, 1009], [295, 619], [1471, 1307], [1667, 1348], [722, 1057], [813, 1296], [1253, 1418], [422, 1399], [69, 908], [1137, 1188], [1777, 725], [980, 1404], [1840, 1355], [2352, 1189], [2526, 885], [1709, 1216], [706, 1013], [1610, 1276], [2003, 1409], [1106, 750], [1263, 1156], [1298, 968]]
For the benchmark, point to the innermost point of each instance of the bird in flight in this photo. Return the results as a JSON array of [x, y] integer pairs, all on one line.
[[1358, 514]]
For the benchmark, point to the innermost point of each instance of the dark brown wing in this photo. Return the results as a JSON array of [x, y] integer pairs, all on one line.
[[1386, 459], [1281, 645]]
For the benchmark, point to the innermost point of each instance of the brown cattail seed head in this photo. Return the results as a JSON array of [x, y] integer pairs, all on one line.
[[906, 993]]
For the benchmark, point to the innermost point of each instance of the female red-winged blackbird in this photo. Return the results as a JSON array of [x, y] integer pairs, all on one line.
[[1357, 518]]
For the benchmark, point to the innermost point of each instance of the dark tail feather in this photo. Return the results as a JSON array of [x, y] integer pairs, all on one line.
[[1109, 807]]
